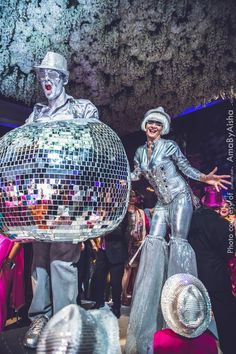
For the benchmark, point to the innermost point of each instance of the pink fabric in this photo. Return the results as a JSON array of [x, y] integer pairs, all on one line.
[[18, 286], [212, 198], [5, 247], [11, 281], [232, 271], [168, 342]]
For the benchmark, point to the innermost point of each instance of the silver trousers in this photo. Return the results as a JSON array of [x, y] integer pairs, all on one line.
[[158, 261], [54, 277]]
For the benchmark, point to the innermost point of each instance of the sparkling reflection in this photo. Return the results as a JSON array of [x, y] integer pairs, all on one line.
[[62, 181]]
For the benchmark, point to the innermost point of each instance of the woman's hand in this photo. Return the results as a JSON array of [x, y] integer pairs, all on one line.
[[94, 246], [218, 181], [82, 246], [8, 264]]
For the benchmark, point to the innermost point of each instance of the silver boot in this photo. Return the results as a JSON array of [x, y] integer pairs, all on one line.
[[32, 335]]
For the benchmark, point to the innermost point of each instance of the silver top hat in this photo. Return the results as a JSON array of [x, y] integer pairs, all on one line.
[[74, 330], [159, 115], [186, 305], [54, 61]]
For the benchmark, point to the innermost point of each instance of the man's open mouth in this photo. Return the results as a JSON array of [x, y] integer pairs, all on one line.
[[48, 87]]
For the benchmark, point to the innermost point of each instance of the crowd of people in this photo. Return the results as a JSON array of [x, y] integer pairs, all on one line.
[[175, 238]]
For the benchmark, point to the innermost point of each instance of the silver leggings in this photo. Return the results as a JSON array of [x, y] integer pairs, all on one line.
[[159, 260]]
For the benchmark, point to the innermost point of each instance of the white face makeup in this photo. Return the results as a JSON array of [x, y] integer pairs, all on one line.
[[153, 129], [52, 83]]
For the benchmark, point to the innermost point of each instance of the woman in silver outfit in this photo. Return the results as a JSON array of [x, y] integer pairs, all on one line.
[[157, 161]]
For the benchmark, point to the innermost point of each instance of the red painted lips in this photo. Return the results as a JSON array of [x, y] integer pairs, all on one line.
[[48, 87]]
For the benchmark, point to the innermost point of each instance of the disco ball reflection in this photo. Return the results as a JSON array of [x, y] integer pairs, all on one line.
[[62, 181]]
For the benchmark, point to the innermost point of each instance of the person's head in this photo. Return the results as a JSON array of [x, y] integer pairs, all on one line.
[[224, 210], [186, 305], [136, 198], [133, 197], [156, 122], [53, 75]]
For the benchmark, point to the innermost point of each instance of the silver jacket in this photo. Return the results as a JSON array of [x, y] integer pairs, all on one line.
[[71, 109], [161, 170]]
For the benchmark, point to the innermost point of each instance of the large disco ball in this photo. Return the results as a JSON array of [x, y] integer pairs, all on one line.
[[62, 181]]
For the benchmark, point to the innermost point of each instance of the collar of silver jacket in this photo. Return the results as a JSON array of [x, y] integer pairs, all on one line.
[[154, 142], [68, 98]]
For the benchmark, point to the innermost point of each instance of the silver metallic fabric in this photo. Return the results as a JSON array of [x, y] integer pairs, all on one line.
[[160, 260], [63, 180], [161, 170], [71, 109], [74, 330], [32, 335], [145, 306], [186, 305], [54, 61]]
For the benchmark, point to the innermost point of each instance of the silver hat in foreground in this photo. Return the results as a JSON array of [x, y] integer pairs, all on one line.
[[186, 305], [74, 330]]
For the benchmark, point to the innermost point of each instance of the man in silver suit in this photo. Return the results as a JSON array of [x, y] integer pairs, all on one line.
[[54, 271], [159, 161]]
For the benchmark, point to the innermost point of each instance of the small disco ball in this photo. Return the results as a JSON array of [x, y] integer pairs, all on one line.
[[62, 181]]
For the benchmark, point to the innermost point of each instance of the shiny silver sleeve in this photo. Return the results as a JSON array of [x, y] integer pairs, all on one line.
[[90, 111], [30, 119], [183, 163], [136, 174]]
